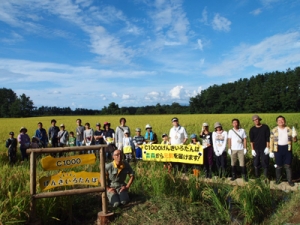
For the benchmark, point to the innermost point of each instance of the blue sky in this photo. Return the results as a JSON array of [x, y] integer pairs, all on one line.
[[83, 53]]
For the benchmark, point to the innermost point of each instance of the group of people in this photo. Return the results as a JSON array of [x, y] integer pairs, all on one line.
[[217, 145]]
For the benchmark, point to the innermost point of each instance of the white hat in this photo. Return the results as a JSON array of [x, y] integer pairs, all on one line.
[[205, 125], [148, 126], [126, 131]]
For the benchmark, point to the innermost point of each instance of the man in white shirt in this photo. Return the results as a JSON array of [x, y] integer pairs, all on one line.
[[237, 148], [178, 134]]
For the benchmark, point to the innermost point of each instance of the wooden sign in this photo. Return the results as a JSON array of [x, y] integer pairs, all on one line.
[[50, 163], [69, 178]]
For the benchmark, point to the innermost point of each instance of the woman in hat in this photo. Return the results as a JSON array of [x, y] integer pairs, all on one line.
[[207, 144], [219, 137], [24, 141]]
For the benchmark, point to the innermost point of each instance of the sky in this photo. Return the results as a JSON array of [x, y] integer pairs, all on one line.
[[89, 53]]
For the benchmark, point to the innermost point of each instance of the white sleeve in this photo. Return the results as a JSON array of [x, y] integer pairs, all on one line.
[[225, 141]]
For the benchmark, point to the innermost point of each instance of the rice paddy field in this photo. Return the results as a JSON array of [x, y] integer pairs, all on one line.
[[157, 196]]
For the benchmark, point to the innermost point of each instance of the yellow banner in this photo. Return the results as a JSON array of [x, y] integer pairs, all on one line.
[[127, 149], [192, 154], [69, 178], [50, 163]]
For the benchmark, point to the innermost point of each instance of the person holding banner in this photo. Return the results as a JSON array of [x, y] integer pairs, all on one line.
[[116, 173], [128, 146], [150, 136], [178, 136], [207, 145], [219, 137]]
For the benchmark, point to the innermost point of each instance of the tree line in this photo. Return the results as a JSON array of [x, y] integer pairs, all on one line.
[[269, 92]]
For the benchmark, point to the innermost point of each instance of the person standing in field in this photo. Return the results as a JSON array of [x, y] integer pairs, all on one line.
[[128, 146], [11, 145], [98, 135], [260, 142], [237, 148], [41, 134], [281, 145], [72, 139], [219, 139], [150, 136], [178, 136], [88, 136], [207, 145], [79, 133], [63, 138], [24, 141], [116, 174], [109, 138], [119, 133], [165, 139], [52, 133], [138, 140]]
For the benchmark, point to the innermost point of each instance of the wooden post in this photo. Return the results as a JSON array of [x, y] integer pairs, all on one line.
[[33, 218], [103, 217]]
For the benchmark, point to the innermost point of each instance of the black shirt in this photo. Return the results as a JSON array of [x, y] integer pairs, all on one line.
[[260, 136]]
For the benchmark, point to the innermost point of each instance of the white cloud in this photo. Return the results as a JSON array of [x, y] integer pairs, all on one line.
[[221, 23], [125, 96], [155, 96], [277, 52], [176, 92], [114, 94], [256, 12], [200, 45], [204, 16]]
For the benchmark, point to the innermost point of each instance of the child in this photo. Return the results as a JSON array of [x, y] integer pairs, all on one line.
[[35, 142], [11, 144], [72, 139], [137, 141], [165, 139], [194, 140], [127, 145]]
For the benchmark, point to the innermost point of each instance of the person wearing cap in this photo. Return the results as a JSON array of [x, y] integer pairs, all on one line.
[[41, 134], [178, 134], [138, 140], [119, 133], [150, 136], [116, 174], [281, 146], [207, 145], [219, 139], [88, 136], [127, 143], [79, 133], [52, 133], [109, 139], [260, 143], [24, 141], [165, 139], [194, 140], [11, 144], [237, 148]]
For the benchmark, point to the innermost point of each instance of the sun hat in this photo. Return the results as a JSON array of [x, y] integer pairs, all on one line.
[[126, 131], [98, 124], [164, 135], [193, 136], [217, 124], [205, 125], [62, 125], [256, 117], [23, 128], [11, 133], [138, 129], [106, 123], [148, 126]]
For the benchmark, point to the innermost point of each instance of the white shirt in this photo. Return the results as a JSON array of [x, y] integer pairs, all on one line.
[[236, 142], [219, 141], [177, 135], [282, 136]]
